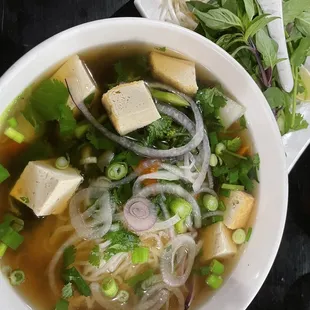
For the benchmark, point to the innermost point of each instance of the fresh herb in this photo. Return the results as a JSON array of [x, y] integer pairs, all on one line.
[[67, 291], [121, 241], [4, 174], [94, 257], [72, 275], [129, 157], [69, 256], [136, 280], [204, 271], [24, 199], [121, 194], [234, 144], [62, 304], [161, 49], [99, 141], [47, 103]]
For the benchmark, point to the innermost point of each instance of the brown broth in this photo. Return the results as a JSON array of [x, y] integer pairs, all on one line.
[[35, 254]]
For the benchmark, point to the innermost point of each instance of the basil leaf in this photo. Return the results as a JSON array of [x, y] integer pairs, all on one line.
[[303, 23], [267, 47], [275, 97], [257, 24], [301, 52], [249, 8], [293, 8], [219, 19], [201, 6], [228, 39]]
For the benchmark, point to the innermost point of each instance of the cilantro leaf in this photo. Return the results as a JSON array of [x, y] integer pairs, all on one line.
[[67, 291], [48, 102], [129, 157], [62, 304], [300, 122], [94, 257], [158, 129], [69, 256], [99, 141], [210, 100], [72, 275], [135, 280], [4, 174], [234, 144]]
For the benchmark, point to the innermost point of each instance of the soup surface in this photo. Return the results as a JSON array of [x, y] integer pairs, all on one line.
[[127, 179]]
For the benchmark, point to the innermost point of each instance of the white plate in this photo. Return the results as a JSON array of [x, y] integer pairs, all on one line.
[[294, 142]]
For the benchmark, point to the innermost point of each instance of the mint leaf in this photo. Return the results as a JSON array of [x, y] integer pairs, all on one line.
[[219, 19]]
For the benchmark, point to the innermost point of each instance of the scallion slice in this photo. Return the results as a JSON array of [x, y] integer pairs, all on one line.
[[12, 238], [210, 202], [109, 287], [117, 171], [62, 163], [17, 277], [214, 281], [140, 255], [233, 187], [239, 236], [180, 227], [181, 207], [122, 296], [14, 135], [213, 160], [248, 234], [12, 122], [3, 248], [222, 206], [217, 267]]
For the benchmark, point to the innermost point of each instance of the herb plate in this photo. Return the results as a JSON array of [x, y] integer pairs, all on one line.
[[294, 142]]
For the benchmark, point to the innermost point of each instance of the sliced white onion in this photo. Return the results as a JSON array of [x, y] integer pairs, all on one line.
[[178, 172], [140, 214], [174, 189], [183, 243], [88, 160], [154, 298], [165, 224], [161, 175], [94, 222], [103, 301]]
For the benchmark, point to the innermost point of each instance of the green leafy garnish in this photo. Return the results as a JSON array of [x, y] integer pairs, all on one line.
[[135, 280], [24, 199], [129, 157], [161, 49], [67, 291], [69, 256], [62, 304], [94, 257], [72, 275], [47, 103], [99, 141], [121, 241], [4, 174], [234, 144]]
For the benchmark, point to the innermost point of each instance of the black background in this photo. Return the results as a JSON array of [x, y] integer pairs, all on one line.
[[26, 23]]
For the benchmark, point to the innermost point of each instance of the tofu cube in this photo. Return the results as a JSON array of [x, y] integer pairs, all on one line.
[[82, 85], [130, 106], [231, 112], [239, 206], [217, 242], [46, 189], [179, 73]]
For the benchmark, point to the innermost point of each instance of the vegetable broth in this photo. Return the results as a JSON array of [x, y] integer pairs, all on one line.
[[41, 243]]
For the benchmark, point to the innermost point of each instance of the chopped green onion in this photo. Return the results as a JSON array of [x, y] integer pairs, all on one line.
[[12, 122], [16, 223], [81, 130], [69, 256], [217, 218], [233, 187], [222, 206], [220, 148], [216, 267], [140, 255], [239, 236], [12, 238], [205, 270], [94, 257], [180, 227], [213, 160], [170, 98], [62, 163], [62, 305], [4, 174], [72, 275], [17, 277], [122, 296], [109, 287], [14, 135], [249, 234], [133, 281], [214, 281], [117, 171], [181, 207], [210, 202], [3, 248], [235, 154]]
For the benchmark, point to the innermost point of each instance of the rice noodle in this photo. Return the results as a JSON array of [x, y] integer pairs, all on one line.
[[174, 189]]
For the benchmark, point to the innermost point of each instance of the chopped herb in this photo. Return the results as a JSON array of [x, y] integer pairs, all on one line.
[[67, 291], [129, 157], [205, 270], [249, 234], [140, 255], [12, 238], [62, 305], [24, 199], [17, 277], [69, 256], [4, 174], [99, 141], [72, 275], [234, 144], [161, 49], [95, 256], [135, 280]]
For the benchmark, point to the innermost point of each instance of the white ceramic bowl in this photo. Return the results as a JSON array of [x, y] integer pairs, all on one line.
[[249, 274]]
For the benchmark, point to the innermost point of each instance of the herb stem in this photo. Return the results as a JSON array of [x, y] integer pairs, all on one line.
[[295, 74]]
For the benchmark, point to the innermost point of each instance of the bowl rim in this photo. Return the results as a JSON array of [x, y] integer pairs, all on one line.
[[30, 57]]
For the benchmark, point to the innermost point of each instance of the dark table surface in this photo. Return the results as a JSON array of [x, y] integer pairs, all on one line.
[[26, 23]]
